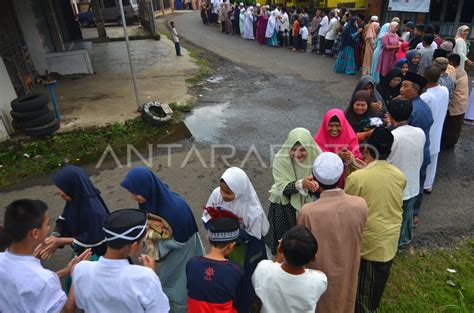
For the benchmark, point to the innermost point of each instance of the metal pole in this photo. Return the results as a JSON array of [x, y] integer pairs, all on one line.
[[125, 32]]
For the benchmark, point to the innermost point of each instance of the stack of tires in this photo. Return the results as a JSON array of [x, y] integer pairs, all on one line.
[[31, 114]]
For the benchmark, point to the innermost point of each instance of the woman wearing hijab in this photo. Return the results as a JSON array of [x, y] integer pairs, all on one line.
[[292, 183], [390, 46], [403, 65], [262, 26], [337, 136], [402, 51], [237, 195], [377, 51], [153, 196], [378, 105], [248, 27], [413, 57], [370, 40], [271, 31], [242, 21], [389, 87], [80, 224], [360, 115], [461, 46], [345, 62]]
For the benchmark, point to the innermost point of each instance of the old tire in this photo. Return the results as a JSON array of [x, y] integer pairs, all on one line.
[[44, 130], [28, 103], [45, 119], [148, 115], [27, 116]]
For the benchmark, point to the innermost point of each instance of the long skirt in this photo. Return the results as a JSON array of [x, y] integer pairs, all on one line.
[[369, 51], [373, 277], [172, 270], [470, 108], [273, 41], [375, 60], [406, 231], [337, 44], [451, 130], [345, 62], [281, 218]]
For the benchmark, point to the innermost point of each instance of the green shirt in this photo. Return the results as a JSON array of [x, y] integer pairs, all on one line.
[[381, 185]]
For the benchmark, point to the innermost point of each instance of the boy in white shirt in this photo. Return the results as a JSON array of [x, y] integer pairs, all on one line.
[[174, 34], [25, 285], [112, 284], [304, 37], [285, 285]]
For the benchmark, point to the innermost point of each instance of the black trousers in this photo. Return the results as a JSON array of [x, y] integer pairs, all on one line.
[[322, 44]]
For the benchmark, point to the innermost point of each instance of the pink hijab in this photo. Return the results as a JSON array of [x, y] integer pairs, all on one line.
[[402, 51], [346, 139]]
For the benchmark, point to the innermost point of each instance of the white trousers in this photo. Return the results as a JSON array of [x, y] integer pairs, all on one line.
[[431, 172]]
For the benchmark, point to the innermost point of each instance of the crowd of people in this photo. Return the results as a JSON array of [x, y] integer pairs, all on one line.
[[343, 202]]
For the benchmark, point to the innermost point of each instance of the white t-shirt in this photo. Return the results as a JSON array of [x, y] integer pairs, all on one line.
[[25, 286], [174, 33], [420, 46], [407, 155], [116, 286], [437, 98], [304, 33], [323, 26], [280, 291]]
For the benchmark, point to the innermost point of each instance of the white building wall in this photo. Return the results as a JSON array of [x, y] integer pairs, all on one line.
[[7, 94], [27, 21]]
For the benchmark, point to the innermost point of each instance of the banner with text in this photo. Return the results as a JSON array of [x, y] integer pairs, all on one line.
[[409, 5]]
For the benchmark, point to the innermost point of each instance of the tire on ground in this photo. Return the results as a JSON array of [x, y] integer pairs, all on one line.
[[44, 130], [39, 121], [28, 103], [27, 116], [149, 117]]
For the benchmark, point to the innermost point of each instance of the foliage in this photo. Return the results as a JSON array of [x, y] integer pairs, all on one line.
[[204, 70], [31, 157], [420, 281]]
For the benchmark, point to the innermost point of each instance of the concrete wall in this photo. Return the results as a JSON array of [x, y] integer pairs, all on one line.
[[7, 94], [32, 37]]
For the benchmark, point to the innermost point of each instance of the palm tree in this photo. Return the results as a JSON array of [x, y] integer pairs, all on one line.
[[99, 21]]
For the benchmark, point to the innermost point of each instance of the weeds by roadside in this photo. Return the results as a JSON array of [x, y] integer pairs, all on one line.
[[421, 282], [30, 157]]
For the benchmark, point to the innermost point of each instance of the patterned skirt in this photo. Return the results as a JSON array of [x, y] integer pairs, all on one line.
[[281, 218], [345, 62], [337, 44]]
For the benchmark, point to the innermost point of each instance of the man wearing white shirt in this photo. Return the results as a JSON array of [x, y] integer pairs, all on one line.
[[331, 33], [323, 29], [112, 284], [437, 98], [407, 155]]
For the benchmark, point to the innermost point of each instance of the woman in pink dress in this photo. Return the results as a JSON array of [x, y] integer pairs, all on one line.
[[262, 26], [390, 46]]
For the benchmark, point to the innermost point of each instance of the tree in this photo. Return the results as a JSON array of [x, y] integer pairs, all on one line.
[[99, 21]]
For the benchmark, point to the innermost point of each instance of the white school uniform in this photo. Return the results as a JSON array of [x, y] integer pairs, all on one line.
[[304, 33], [116, 286], [280, 291], [25, 286]]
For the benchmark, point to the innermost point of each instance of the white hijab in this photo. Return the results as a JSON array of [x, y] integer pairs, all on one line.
[[271, 25], [246, 204]]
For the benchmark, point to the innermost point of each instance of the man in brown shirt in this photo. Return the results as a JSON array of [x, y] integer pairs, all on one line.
[[337, 220]]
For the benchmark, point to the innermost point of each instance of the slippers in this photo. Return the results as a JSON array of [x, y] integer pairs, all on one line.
[[428, 191]]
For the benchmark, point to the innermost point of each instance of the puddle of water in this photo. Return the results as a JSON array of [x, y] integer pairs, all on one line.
[[205, 121]]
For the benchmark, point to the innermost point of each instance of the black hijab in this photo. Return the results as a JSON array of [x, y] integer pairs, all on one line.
[[386, 91], [352, 117]]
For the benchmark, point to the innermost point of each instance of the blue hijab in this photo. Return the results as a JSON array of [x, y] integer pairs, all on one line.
[[409, 56], [86, 212], [347, 39], [160, 200], [400, 62]]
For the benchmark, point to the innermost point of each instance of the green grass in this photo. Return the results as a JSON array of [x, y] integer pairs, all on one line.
[[31, 157], [418, 281], [204, 70]]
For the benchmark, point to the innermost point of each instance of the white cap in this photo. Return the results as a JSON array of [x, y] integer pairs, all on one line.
[[258, 4], [241, 4], [374, 18], [328, 168]]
